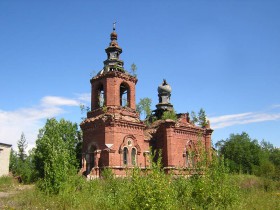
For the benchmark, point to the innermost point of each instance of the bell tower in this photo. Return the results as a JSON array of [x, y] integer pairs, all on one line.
[[113, 86], [113, 135]]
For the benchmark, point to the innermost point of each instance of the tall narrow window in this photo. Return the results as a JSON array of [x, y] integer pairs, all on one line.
[[187, 159], [125, 155], [133, 156], [101, 97], [124, 95], [193, 160]]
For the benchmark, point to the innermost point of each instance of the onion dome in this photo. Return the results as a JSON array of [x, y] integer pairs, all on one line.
[[164, 88], [114, 35]]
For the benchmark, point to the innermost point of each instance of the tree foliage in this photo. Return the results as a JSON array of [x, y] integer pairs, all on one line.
[[242, 152], [21, 164], [22, 145], [199, 118], [133, 69], [246, 155], [55, 153], [169, 115], [84, 110], [144, 106]]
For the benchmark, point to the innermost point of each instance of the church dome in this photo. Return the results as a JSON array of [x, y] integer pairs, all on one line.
[[114, 36], [164, 88]]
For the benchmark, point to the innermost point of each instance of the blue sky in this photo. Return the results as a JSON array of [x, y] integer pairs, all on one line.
[[223, 56]]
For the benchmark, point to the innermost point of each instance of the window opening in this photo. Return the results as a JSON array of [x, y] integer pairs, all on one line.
[[101, 97], [193, 160], [187, 159], [124, 95], [133, 156], [125, 155]]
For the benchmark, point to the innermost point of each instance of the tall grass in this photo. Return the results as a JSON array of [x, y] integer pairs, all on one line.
[[153, 189], [169, 193], [150, 189], [6, 183]]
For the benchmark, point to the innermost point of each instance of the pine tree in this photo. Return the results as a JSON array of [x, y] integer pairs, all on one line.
[[22, 145], [202, 121]]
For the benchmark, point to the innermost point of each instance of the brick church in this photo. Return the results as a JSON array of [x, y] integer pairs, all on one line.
[[114, 136]]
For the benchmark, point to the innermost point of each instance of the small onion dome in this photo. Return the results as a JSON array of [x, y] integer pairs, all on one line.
[[114, 36], [164, 88]]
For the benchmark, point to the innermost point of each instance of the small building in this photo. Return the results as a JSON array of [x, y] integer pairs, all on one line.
[[5, 150], [114, 136]]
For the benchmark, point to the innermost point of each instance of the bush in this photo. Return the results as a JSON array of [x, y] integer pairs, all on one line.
[[169, 115], [152, 189], [55, 155]]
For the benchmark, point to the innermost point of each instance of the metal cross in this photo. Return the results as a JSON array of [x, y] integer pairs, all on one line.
[[114, 26]]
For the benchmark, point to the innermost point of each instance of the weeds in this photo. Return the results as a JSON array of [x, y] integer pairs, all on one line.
[[6, 183], [153, 189]]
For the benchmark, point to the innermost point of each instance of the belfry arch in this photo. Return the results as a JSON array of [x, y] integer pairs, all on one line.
[[124, 95]]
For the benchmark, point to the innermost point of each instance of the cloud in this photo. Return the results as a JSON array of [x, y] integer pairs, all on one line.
[[84, 97], [58, 101], [275, 106], [243, 118], [30, 119]]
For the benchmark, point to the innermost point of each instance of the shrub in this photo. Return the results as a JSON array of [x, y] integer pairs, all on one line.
[[55, 155], [169, 115], [152, 189]]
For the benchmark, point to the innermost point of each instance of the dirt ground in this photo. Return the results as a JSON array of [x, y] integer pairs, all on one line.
[[16, 190], [5, 202]]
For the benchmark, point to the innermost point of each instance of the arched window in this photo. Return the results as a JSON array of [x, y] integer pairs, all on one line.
[[100, 96], [129, 149], [193, 159], [133, 156], [125, 155], [124, 94], [187, 159]]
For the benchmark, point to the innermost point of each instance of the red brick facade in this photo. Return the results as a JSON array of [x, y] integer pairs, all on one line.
[[114, 136]]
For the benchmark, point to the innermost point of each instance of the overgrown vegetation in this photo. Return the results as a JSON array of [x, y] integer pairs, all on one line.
[[133, 70], [54, 164], [21, 164], [6, 183], [153, 189], [247, 156], [55, 155], [169, 115], [144, 107], [199, 118]]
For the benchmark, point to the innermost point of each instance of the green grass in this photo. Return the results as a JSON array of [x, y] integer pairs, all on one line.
[[155, 191], [257, 193], [6, 183]]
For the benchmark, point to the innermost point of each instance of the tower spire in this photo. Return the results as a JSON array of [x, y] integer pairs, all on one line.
[[113, 51]]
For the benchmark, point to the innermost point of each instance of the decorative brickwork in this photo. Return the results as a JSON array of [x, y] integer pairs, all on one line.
[[114, 136]]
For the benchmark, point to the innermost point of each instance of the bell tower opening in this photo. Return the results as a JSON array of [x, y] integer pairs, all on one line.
[[124, 95], [100, 96]]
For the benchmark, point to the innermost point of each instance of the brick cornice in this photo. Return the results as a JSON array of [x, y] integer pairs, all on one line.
[[127, 124], [117, 74]]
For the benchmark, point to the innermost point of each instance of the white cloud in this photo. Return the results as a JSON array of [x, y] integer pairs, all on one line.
[[58, 101], [84, 97], [275, 106], [243, 118], [30, 119]]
